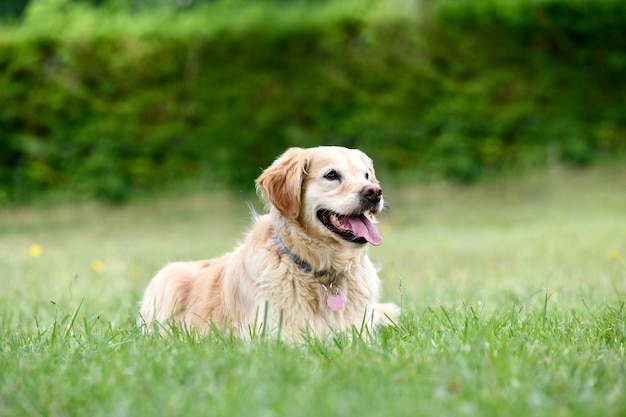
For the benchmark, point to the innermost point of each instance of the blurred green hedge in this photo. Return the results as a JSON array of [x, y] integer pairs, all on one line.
[[103, 101]]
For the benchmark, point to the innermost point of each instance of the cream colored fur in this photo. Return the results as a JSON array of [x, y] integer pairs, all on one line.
[[258, 285]]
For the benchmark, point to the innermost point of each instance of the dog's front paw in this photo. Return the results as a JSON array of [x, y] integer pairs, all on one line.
[[386, 313]]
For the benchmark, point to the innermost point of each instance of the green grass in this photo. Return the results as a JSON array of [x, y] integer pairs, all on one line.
[[513, 297]]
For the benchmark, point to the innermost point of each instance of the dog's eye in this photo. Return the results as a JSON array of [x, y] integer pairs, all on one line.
[[367, 175], [332, 175]]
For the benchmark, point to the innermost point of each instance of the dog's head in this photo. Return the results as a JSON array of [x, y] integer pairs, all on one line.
[[332, 191]]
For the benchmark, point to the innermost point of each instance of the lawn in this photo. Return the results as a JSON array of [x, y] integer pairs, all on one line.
[[513, 294]]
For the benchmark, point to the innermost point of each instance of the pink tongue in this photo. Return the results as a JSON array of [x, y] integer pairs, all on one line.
[[362, 227]]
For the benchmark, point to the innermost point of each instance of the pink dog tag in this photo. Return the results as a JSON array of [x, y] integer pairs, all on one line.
[[334, 302]]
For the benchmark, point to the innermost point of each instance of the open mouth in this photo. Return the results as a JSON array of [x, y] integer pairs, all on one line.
[[356, 229]]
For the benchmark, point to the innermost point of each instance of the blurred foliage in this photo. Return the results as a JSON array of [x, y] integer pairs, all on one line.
[[11, 9], [103, 101]]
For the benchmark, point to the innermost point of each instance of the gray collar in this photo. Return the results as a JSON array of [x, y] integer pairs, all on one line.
[[304, 265]]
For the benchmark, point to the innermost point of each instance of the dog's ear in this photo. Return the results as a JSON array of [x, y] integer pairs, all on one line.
[[281, 183]]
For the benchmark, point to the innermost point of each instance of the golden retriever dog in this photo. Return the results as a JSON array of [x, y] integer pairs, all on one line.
[[302, 269]]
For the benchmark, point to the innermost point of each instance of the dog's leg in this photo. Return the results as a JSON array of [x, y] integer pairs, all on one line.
[[386, 314]]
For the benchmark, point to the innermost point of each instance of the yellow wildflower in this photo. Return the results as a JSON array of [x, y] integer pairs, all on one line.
[[34, 251], [613, 254], [97, 265]]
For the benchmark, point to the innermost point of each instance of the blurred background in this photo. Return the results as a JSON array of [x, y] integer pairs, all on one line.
[[109, 98]]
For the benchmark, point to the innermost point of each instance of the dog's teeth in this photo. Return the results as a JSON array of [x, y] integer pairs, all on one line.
[[338, 223]]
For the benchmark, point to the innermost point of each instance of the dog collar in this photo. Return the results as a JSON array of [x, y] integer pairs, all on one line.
[[304, 265], [333, 277], [334, 300]]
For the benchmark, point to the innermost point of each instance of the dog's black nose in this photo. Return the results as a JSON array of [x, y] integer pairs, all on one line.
[[372, 193]]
